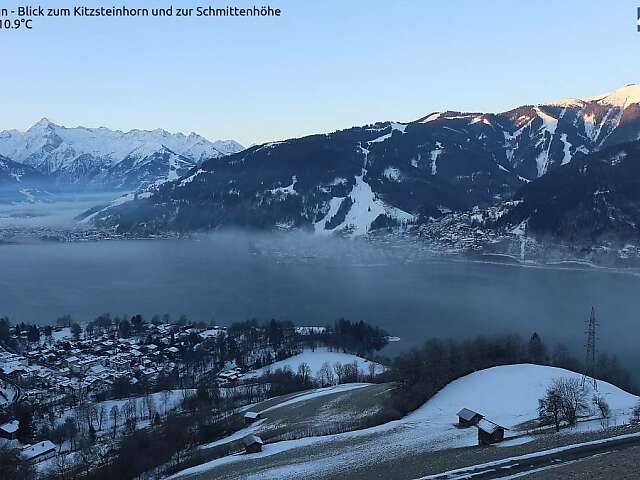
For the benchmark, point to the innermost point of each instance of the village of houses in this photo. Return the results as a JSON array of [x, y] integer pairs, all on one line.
[[66, 387], [58, 372]]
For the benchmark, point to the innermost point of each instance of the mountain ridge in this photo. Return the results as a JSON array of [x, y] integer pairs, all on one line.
[[594, 198], [20, 182], [91, 157], [386, 174]]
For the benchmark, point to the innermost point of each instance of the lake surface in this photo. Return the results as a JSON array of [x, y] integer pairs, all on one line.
[[314, 281]]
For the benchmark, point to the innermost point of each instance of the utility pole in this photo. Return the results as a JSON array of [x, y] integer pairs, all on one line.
[[590, 347]]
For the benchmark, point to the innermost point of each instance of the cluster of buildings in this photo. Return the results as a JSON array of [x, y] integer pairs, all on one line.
[[33, 453], [60, 369], [462, 231], [52, 370], [229, 376]]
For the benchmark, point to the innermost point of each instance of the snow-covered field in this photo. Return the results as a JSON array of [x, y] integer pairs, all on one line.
[[172, 398], [318, 392], [163, 401], [58, 335], [507, 395], [315, 360], [286, 401]]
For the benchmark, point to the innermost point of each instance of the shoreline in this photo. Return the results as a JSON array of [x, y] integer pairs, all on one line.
[[435, 255]]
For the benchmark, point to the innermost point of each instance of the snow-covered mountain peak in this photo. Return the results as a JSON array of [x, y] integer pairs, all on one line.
[[43, 123], [226, 147], [193, 137], [79, 154], [163, 133], [569, 102], [622, 97]]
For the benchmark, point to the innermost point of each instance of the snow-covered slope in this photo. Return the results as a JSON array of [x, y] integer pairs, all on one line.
[[15, 173], [540, 138], [81, 155], [622, 97], [388, 175], [20, 183], [315, 359], [595, 198], [507, 395]]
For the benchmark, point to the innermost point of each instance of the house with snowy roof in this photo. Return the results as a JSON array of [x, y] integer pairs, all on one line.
[[10, 429], [39, 452], [251, 417]]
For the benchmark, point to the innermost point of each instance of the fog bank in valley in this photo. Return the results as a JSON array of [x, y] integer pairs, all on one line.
[[398, 285]]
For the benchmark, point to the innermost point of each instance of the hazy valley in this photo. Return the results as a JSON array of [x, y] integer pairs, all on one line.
[[158, 288]]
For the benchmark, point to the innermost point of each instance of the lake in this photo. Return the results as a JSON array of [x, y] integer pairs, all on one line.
[[399, 286]]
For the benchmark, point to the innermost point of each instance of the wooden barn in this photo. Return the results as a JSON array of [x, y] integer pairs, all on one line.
[[252, 444], [468, 418], [489, 432], [251, 417]]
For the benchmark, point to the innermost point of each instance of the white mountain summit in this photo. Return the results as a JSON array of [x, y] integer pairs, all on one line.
[[109, 158], [622, 97]]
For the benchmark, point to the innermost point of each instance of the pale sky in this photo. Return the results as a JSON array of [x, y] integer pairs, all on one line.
[[324, 65]]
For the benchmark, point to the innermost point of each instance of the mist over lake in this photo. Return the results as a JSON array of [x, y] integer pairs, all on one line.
[[314, 281]]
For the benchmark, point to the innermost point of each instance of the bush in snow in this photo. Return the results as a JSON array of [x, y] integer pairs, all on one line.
[[635, 414], [601, 406]]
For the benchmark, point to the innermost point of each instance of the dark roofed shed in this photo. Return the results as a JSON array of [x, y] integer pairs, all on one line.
[[489, 432], [468, 418], [252, 444]]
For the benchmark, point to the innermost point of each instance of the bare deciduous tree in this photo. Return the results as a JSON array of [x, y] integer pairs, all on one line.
[[115, 413], [601, 406], [166, 396], [92, 414], [338, 368], [304, 372], [635, 414], [372, 371], [151, 407], [326, 376], [564, 401], [102, 414]]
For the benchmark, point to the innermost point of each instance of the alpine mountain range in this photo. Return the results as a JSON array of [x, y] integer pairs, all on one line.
[[567, 169], [55, 157]]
